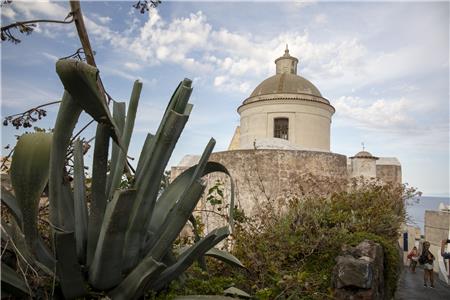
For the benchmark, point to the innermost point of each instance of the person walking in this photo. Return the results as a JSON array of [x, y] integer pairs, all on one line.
[[426, 259], [413, 256], [445, 255]]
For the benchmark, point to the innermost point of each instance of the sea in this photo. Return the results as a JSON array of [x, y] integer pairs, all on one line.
[[416, 207]]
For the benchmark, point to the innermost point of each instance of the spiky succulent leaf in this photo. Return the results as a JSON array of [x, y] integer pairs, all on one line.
[[11, 202], [225, 256], [29, 176], [176, 220], [119, 165], [67, 267], [133, 285], [80, 80], [149, 139], [80, 206], [98, 189], [154, 163], [12, 284], [105, 271], [68, 114], [119, 117], [235, 292], [189, 256], [177, 188], [12, 235], [179, 214]]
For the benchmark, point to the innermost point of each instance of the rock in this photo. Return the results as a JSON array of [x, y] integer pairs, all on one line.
[[235, 292], [352, 272], [358, 273]]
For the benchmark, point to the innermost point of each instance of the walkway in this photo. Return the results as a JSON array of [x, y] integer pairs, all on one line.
[[411, 287]]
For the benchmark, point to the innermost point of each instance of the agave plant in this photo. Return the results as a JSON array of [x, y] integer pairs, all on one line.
[[121, 242]]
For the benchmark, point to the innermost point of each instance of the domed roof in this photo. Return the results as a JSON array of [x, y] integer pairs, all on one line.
[[286, 83], [364, 154]]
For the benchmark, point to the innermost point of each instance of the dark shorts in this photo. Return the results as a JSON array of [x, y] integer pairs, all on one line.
[[446, 255]]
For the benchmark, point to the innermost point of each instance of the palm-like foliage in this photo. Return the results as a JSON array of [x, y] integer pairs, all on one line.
[[122, 244]]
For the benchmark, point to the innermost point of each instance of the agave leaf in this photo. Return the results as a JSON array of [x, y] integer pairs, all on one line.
[[133, 285], [176, 220], [11, 233], [68, 114], [98, 194], [203, 297], [166, 134], [187, 258], [148, 183], [125, 138], [235, 292], [13, 284], [179, 215], [67, 207], [10, 201], [29, 176], [44, 256], [119, 118], [201, 260], [67, 267], [144, 151], [177, 188], [106, 269], [80, 207], [225, 256], [80, 80]]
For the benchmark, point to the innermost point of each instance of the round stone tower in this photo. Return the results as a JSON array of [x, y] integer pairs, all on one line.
[[285, 111]]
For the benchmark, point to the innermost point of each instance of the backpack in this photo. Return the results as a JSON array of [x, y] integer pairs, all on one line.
[[422, 259]]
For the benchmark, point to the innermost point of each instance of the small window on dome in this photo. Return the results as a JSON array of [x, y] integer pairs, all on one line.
[[281, 128]]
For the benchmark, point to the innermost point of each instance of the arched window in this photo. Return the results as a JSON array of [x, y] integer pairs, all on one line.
[[281, 128]]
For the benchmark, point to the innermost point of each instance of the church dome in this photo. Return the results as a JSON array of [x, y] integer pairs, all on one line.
[[286, 83]]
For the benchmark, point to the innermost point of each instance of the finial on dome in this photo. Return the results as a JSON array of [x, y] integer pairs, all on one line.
[[286, 63]]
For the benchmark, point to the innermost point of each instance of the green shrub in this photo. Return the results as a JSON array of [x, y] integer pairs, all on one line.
[[291, 253]]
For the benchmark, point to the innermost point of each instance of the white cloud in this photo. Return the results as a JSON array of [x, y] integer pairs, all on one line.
[[35, 9], [390, 114], [115, 71], [321, 19], [104, 20], [132, 66], [51, 57], [197, 46]]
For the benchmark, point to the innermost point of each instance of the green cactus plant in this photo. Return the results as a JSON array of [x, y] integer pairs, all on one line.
[[122, 244]]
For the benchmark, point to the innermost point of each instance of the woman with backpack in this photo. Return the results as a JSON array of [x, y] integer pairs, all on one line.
[[426, 259]]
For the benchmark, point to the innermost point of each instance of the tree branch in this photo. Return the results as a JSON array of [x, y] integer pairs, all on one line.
[[21, 23]]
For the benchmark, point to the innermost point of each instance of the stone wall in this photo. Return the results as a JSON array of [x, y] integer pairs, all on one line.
[[437, 227], [389, 173], [268, 176], [272, 174]]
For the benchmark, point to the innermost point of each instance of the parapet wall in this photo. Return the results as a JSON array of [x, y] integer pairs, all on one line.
[[437, 228], [389, 173], [273, 174]]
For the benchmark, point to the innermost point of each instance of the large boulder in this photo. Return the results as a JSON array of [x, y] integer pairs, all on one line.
[[358, 273]]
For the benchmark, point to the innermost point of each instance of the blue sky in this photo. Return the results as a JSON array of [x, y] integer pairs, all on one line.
[[384, 66]]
